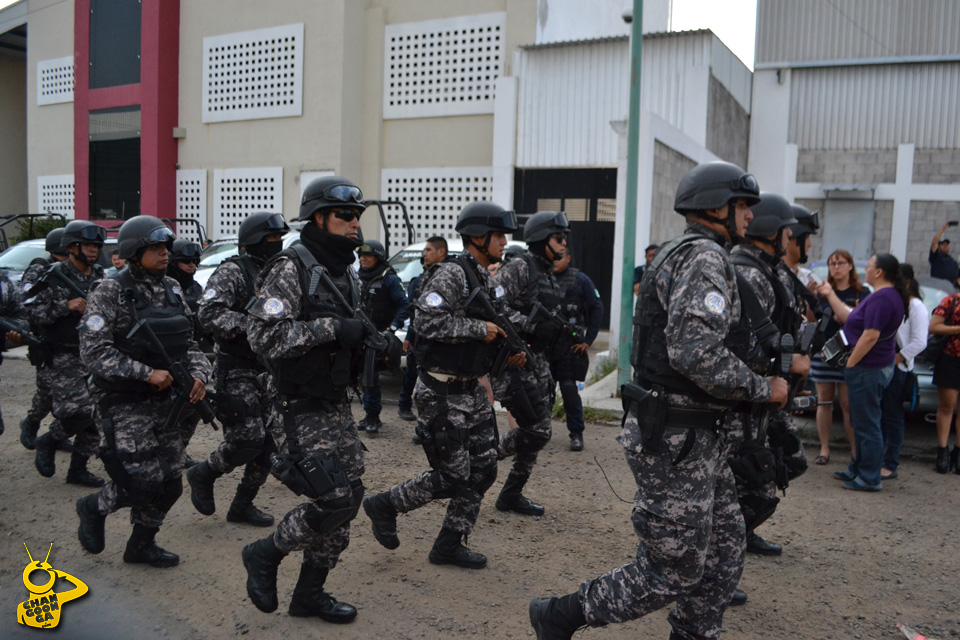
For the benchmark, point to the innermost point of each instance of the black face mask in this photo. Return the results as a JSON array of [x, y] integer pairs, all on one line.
[[333, 251], [185, 279], [264, 250]]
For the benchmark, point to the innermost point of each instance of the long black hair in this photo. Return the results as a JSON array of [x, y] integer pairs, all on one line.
[[892, 272], [913, 287]]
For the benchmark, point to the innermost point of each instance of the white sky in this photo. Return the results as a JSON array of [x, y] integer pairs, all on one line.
[[734, 21]]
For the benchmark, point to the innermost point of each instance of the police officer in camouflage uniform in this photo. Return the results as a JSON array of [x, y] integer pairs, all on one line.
[[760, 448], [184, 258], [55, 310], [384, 301], [137, 398], [527, 279], [244, 395], [457, 344], [691, 343], [37, 355], [11, 308], [301, 323]]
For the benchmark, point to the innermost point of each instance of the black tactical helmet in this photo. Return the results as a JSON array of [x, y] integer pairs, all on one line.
[[806, 222], [330, 192], [140, 232], [52, 243], [259, 225], [480, 218], [82, 231], [713, 185], [185, 251], [771, 214], [372, 248], [542, 225]]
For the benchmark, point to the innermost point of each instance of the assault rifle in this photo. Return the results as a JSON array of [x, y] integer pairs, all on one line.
[[10, 325], [513, 343], [374, 343], [182, 379], [44, 281]]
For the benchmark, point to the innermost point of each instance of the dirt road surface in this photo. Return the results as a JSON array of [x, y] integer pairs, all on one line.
[[854, 564]]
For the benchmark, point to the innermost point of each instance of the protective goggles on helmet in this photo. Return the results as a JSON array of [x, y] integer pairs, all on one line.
[[344, 193], [747, 182], [189, 253], [160, 235], [367, 250], [92, 233], [508, 221], [814, 220], [275, 221]]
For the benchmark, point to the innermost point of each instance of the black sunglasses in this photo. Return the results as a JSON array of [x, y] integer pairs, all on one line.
[[559, 237], [347, 215]]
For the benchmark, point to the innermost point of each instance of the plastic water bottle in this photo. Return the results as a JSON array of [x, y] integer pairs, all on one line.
[[580, 386], [910, 633]]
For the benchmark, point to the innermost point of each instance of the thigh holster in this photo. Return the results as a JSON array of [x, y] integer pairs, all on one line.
[[325, 516]]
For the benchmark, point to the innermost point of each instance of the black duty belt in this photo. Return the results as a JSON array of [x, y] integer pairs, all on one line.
[[455, 386], [694, 419], [307, 405]]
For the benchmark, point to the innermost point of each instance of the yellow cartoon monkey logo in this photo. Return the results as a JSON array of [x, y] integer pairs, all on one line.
[[42, 609]]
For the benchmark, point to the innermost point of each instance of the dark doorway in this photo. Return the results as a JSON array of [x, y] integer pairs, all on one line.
[[114, 179], [588, 196]]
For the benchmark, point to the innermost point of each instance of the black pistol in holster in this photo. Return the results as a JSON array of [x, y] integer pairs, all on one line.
[[182, 379], [374, 344], [309, 476], [650, 408]]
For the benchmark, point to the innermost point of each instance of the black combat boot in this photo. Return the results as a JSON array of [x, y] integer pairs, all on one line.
[[761, 547], [511, 498], [943, 458], [45, 461], [373, 423], [141, 549], [78, 473], [28, 433], [955, 459], [242, 509], [310, 600], [448, 550], [557, 618], [383, 517], [738, 599], [261, 558], [201, 478], [188, 462], [90, 532], [65, 445]]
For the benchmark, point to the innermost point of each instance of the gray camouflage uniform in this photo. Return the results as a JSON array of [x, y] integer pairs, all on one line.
[[686, 515], [241, 381], [471, 469], [328, 432], [11, 308], [42, 402], [71, 404], [520, 292], [145, 442]]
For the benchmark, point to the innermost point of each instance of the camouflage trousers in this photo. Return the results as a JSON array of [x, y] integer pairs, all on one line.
[[330, 434], [143, 455], [245, 391], [692, 539], [471, 467], [534, 427], [42, 401], [72, 405]]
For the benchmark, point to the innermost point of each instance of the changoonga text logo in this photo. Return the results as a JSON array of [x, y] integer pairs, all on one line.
[[43, 606]]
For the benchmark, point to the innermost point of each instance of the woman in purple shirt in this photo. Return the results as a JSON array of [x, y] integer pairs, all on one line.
[[871, 330]]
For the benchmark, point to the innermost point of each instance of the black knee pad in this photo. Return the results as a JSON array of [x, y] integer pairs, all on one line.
[[530, 442], [484, 478], [324, 517], [240, 452], [170, 493]]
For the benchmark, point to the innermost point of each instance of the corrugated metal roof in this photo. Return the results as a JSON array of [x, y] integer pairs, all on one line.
[[646, 36]]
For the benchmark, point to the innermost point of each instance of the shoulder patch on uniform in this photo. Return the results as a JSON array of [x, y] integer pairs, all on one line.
[[434, 299], [177, 290], [95, 322], [498, 291], [209, 293], [715, 302], [273, 306]]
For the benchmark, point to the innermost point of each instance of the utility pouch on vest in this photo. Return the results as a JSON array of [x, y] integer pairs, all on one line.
[[650, 408], [518, 402], [311, 476], [39, 354], [754, 466]]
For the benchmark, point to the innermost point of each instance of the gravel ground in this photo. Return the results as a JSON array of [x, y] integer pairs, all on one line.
[[854, 565]]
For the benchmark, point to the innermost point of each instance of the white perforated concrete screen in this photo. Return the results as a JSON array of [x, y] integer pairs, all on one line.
[[55, 195], [253, 74], [191, 202], [434, 198], [239, 192], [443, 67], [55, 81]]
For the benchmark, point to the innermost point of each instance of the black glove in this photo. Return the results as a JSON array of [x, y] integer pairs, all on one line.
[[350, 333]]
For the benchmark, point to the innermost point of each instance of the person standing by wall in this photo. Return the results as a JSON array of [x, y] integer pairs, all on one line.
[[942, 264]]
